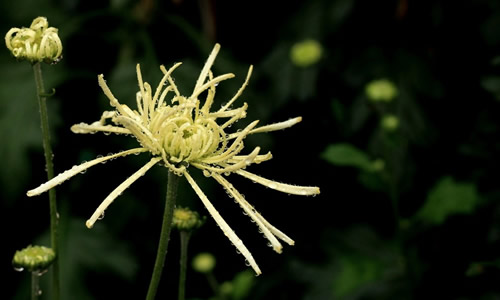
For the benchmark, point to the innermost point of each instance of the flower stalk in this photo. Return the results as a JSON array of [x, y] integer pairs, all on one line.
[[185, 235], [166, 228], [54, 219], [35, 285]]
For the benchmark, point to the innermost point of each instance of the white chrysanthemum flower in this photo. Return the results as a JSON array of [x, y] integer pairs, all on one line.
[[37, 43], [186, 133]]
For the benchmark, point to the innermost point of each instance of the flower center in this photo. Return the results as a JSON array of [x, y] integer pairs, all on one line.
[[185, 140]]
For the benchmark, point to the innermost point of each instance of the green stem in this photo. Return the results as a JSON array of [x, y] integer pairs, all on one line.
[[35, 288], [44, 120], [168, 214], [185, 235], [212, 281]]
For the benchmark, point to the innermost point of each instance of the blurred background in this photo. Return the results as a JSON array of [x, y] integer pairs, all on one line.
[[400, 107]]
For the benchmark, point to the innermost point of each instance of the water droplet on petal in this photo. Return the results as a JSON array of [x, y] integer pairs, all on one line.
[[20, 269], [101, 216]]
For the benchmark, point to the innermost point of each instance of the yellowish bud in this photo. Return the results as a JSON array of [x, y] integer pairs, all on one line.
[[204, 262], [306, 53], [381, 90]]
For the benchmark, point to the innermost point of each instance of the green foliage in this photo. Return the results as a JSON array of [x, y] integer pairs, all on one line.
[[447, 198], [242, 284], [356, 271], [347, 155]]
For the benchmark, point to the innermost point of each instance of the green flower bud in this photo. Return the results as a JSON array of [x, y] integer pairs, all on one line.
[[226, 288], [390, 122], [306, 53], [204, 262], [381, 90], [378, 165], [186, 219], [33, 258], [35, 44]]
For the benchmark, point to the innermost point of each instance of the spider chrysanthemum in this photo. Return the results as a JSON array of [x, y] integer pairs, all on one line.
[[184, 133]]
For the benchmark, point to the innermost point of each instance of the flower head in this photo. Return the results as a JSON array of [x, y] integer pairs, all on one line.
[[183, 133], [185, 219], [33, 258], [37, 43]]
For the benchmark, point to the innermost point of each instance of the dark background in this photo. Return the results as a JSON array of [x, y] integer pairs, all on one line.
[[425, 226]]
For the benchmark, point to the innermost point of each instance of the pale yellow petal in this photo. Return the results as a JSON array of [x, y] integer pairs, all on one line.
[[271, 127], [206, 67], [282, 187], [228, 232], [96, 127], [231, 168], [240, 91], [119, 190], [78, 169], [250, 211]]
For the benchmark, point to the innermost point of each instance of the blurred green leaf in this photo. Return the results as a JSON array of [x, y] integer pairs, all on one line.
[[20, 123], [446, 198], [84, 250], [242, 284], [492, 85], [356, 271], [347, 155]]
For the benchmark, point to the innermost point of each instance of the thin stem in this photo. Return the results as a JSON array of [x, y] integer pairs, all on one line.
[[185, 235], [35, 288], [54, 219], [168, 214], [212, 281]]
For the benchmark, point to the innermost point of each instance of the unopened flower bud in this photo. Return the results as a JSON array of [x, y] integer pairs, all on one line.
[[306, 53], [33, 258], [186, 219], [390, 122], [35, 44], [381, 90], [204, 262]]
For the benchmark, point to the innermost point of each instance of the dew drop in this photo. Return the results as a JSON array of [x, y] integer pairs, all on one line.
[[20, 269], [247, 263], [101, 216]]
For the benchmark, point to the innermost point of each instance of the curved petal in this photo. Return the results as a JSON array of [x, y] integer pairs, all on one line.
[[237, 242]]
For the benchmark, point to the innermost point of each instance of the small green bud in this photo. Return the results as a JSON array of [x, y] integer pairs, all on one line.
[[306, 53], [390, 122], [204, 262], [378, 165], [33, 258], [186, 219], [35, 44], [226, 288], [381, 90]]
